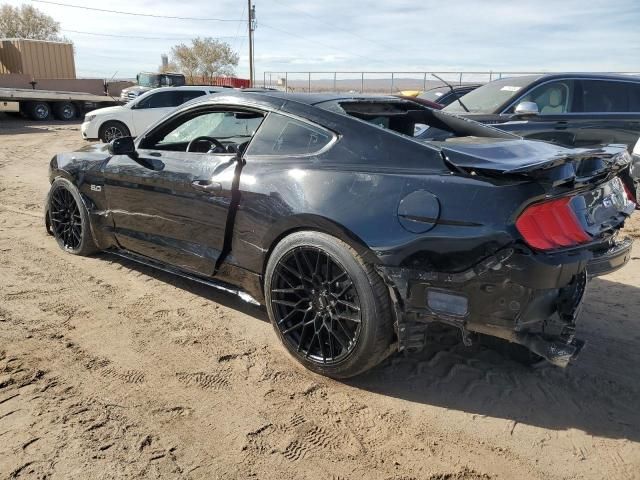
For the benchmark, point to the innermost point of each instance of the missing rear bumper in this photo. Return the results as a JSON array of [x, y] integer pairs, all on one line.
[[611, 259], [510, 295]]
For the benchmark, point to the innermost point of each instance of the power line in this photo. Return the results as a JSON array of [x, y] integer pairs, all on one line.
[[239, 26], [134, 13], [142, 37]]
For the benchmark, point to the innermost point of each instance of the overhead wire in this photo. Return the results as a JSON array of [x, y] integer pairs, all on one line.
[[137, 36], [172, 17], [120, 12]]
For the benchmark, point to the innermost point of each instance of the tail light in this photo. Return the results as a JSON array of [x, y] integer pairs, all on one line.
[[550, 225], [630, 196]]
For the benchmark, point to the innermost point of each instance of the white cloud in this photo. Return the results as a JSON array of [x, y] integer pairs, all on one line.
[[368, 35]]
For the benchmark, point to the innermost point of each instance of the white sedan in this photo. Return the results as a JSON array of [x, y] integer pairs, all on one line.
[[133, 118]]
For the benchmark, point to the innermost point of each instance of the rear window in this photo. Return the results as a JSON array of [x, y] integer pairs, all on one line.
[[433, 95], [396, 116], [282, 135]]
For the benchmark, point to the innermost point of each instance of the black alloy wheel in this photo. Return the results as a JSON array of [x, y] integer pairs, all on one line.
[[316, 305], [66, 220]]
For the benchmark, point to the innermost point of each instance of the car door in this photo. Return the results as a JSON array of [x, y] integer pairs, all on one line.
[[554, 122], [170, 204], [608, 112]]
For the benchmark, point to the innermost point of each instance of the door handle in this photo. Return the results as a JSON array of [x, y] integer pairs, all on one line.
[[561, 125], [207, 186]]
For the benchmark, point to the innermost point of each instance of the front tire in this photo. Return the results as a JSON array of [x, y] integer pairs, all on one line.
[[68, 219], [329, 307], [111, 130]]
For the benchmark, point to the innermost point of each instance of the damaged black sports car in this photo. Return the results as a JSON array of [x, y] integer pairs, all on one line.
[[355, 235]]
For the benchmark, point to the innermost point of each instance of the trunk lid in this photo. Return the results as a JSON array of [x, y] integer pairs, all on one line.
[[511, 156], [585, 196]]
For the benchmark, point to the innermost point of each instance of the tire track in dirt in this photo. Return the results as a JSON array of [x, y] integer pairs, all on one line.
[[433, 413]]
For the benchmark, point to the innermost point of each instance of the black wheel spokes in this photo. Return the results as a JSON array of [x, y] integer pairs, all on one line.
[[65, 219], [316, 305]]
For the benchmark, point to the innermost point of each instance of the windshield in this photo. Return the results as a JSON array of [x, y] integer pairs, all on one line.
[[148, 80], [488, 98]]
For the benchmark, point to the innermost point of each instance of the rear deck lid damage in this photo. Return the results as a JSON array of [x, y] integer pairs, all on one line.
[[526, 156]]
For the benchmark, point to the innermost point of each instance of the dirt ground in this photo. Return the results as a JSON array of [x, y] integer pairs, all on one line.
[[113, 370]]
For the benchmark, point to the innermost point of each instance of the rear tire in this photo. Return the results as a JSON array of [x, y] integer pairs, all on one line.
[[65, 111], [330, 309], [111, 130], [68, 219], [38, 110]]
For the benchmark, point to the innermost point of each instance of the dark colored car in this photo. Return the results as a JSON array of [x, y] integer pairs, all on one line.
[[354, 234], [444, 95], [422, 101], [635, 169], [574, 110]]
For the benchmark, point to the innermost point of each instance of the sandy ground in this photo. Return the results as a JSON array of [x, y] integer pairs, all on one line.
[[112, 370]]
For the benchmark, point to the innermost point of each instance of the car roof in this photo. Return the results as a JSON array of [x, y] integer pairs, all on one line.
[[309, 98], [189, 87], [577, 75]]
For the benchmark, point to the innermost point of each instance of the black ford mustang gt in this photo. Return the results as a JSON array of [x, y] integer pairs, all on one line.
[[354, 234]]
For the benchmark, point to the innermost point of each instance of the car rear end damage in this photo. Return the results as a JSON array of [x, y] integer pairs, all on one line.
[[530, 291]]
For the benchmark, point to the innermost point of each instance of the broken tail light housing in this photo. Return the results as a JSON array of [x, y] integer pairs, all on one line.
[[630, 196], [550, 225]]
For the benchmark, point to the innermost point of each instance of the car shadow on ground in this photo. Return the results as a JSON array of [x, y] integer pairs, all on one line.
[[17, 126], [599, 394], [218, 296]]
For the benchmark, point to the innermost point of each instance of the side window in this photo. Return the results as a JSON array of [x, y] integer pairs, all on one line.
[[282, 135], [231, 129], [552, 98], [161, 100], [634, 97], [606, 96], [191, 94]]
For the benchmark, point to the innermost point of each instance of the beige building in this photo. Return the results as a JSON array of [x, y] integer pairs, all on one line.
[[37, 58]]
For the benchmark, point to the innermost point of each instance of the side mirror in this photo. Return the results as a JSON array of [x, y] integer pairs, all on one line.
[[122, 146], [527, 108]]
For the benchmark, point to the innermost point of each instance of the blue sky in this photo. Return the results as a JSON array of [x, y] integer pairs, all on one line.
[[376, 35]]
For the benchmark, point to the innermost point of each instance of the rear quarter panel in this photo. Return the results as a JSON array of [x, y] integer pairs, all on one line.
[[360, 206]]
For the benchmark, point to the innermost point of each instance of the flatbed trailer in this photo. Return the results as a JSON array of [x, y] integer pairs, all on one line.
[[42, 104]]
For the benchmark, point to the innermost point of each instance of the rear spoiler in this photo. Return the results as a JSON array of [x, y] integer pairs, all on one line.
[[536, 159]]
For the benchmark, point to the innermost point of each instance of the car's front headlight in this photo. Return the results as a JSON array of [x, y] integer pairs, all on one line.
[[88, 118]]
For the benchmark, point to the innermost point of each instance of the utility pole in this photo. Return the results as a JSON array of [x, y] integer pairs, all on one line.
[[251, 17]]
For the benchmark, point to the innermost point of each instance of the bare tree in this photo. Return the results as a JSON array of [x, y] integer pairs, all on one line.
[[185, 60], [206, 57], [27, 22]]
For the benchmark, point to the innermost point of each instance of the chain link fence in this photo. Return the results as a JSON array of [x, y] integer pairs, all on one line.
[[381, 82]]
